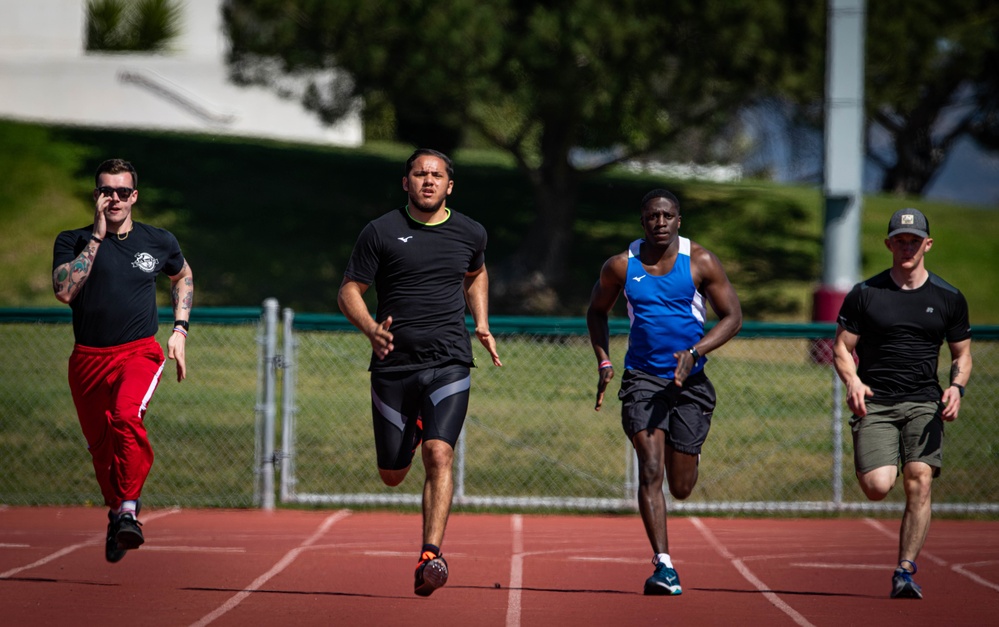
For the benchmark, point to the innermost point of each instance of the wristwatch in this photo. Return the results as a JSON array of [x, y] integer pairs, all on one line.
[[693, 353], [183, 324], [960, 388]]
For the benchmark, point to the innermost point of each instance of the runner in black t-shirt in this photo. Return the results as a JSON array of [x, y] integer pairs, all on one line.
[[426, 263], [897, 321], [107, 273]]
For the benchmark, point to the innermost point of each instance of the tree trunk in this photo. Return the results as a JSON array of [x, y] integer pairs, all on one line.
[[529, 282], [917, 160]]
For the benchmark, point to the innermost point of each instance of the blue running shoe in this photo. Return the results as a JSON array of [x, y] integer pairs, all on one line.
[[903, 587], [664, 581]]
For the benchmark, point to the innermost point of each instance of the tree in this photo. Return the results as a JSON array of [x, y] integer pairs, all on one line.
[[932, 79], [535, 79], [137, 25]]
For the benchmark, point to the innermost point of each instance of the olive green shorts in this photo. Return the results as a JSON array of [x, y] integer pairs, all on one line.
[[910, 432]]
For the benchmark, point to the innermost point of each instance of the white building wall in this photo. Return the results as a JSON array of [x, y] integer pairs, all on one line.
[[46, 76]]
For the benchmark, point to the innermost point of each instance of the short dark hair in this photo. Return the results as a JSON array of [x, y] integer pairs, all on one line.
[[433, 153], [660, 193], [116, 166]]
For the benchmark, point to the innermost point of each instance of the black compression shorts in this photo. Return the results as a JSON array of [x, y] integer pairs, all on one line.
[[408, 407]]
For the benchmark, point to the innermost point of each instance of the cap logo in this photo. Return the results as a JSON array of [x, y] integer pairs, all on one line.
[[908, 219]]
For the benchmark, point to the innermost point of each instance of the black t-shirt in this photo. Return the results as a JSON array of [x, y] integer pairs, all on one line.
[[901, 332], [117, 304], [418, 271]]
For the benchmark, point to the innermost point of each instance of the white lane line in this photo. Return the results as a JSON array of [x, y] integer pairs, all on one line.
[[616, 560], [275, 570], [748, 574], [14, 546], [960, 569], [396, 553], [839, 566], [879, 526], [516, 572], [73, 547], [957, 568], [196, 549]]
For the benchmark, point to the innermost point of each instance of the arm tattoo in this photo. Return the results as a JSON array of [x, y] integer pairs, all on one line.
[[70, 277], [955, 370], [183, 297]]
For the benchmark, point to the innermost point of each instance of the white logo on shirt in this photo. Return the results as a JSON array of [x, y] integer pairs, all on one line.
[[405, 239], [929, 310], [638, 279], [145, 262]]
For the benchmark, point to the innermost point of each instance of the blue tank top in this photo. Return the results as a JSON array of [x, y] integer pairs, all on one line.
[[667, 314]]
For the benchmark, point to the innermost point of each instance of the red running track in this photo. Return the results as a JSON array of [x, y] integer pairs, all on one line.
[[247, 567]]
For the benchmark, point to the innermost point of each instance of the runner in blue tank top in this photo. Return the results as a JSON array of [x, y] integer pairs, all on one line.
[[667, 399]]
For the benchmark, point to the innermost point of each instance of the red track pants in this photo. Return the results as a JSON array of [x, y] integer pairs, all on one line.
[[111, 388]]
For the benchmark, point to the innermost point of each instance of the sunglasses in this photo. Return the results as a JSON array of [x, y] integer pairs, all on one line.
[[123, 192]]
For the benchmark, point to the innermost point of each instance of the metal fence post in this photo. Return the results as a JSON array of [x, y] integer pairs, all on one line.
[[266, 460], [837, 433], [459, 478], [288, 408]]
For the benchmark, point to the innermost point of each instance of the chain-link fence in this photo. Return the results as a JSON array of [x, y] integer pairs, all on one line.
[[202, 430], [779, 438]]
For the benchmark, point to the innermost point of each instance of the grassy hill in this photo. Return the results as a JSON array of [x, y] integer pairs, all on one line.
[[262, 219]]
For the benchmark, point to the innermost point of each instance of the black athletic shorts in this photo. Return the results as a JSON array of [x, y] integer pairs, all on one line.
[[408, 407], [684, 413]]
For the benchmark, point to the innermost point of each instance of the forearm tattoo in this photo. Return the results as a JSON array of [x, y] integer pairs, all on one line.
[[70, 277], [183, 292], [955, 371]]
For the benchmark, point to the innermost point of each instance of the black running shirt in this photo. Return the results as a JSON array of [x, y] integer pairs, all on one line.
[[418, 271], [901, 332], [117, 304]]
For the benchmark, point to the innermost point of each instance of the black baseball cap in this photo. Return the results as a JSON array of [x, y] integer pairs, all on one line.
[[909, 221]]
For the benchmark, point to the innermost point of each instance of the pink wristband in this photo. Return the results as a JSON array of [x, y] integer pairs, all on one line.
[[605, 364]]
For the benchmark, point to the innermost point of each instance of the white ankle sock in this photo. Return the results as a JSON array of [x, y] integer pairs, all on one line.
[[663, 558], [127, 507]]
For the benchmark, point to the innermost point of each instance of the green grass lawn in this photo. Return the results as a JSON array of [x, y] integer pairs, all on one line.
[[264, 219], [531, 429], [261, 219]]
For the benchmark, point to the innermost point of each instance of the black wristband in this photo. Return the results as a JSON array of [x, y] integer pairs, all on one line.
[[184, 324], [96, 239], [960, 388], [693, 353]]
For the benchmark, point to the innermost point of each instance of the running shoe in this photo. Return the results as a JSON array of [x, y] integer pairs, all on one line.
[[903, 587], [431, 573], [664, 581], [112, 553], [129, 535]]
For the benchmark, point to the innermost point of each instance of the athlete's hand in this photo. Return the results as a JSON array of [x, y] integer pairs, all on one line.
[[489, 342], [381, 338], [101, 203], [951, 400], [856, 393], [606, 374], [684, 364], [175, 350]]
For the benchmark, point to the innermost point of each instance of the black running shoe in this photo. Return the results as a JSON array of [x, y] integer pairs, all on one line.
[[431, 573], [129, 535], [111, 551]]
